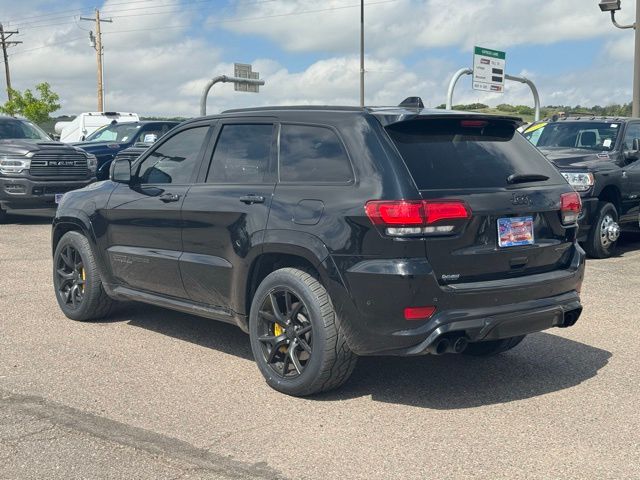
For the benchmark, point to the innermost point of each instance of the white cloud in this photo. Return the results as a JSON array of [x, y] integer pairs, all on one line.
[[157, 63], [400, 26]]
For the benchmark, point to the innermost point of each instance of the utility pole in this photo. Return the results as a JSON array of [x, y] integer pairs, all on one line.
[[362, 53], [4, 36], [99, 53]]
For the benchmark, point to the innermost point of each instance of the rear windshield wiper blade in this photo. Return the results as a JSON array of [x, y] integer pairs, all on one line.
[[526, 177]]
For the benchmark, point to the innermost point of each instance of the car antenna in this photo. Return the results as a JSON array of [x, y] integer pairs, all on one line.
[[412, 102]]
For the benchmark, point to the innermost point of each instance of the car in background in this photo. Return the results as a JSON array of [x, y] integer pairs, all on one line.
[[86, 123], [600, 158], [35, 171], [106, 142]]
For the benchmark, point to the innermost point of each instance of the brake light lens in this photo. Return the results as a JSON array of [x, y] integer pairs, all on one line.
[[395, 213], [474, 123], [437, 211], [419, 313], [570, 207], [417, 217]]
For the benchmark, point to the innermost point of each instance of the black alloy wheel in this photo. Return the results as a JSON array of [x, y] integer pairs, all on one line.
[[71, 277], [285, 333], [76, 280]]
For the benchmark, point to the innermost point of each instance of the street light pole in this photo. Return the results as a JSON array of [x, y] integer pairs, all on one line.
[[613, 6], [636, 66], [362, 53]]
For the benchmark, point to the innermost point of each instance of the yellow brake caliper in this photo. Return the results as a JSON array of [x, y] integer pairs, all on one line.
[[84, 277], [277, 331]]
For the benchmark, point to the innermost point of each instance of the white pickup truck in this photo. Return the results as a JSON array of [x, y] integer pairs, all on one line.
[[87, 123]]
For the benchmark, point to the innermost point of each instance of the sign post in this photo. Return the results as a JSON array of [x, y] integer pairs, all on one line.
[[488, 70]]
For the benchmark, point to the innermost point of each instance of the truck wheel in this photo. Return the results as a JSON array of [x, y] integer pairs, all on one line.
[[605, 231], [294, 337], [492, 347], [76, 280]]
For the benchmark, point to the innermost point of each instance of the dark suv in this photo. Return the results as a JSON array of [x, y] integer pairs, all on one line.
[[106, 142], [329, 232]]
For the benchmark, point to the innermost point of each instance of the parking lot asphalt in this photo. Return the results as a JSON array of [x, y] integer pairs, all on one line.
[[151, 393]]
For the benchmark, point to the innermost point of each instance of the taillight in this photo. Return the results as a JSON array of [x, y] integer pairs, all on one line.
[[417, 217], [570, 207]]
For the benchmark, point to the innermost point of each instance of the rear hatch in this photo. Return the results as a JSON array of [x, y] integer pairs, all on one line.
[[512, 194]]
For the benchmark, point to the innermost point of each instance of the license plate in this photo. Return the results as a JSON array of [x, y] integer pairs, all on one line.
[[514, 231], [58, 197]]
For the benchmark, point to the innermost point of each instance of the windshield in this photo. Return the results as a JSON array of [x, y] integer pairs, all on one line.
[[584, 135], [122, 132], [21, 129]]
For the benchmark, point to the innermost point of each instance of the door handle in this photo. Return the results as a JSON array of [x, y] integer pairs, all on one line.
[[251, 199], [169, 197]]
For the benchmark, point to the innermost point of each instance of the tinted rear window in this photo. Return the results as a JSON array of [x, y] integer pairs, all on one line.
[[445, 153], [312, 154]]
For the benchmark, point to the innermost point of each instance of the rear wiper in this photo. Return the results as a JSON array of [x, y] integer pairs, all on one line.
[[526, 177]]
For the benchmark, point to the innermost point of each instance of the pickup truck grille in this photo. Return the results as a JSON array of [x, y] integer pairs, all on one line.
[[52, 164]]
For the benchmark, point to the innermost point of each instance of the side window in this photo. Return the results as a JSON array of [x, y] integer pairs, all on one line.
[[312, 154], [175, 160], [242, 154], [633, 131]]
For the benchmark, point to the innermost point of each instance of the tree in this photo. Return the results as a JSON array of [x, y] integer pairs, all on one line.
[[29, 106]]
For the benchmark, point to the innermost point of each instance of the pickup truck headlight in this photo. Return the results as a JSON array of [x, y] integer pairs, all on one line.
[[580, 181], [92, 163], [10, 164]]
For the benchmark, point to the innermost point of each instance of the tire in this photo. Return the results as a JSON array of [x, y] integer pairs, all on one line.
[[492, 347], [598, 244], [3, 215], [76, 280], [305, 315]]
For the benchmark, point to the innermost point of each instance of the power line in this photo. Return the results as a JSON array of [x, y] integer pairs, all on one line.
[[246, 19], [109, 9], [219, 22], [78, 10]]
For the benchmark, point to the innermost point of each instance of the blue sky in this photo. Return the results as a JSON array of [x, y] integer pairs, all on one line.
[[159, 53]]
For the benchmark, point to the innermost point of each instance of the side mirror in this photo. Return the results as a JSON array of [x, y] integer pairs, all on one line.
[[120, 171], [634, 153]]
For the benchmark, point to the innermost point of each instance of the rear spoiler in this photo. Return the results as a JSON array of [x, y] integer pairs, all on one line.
[[391, 119]]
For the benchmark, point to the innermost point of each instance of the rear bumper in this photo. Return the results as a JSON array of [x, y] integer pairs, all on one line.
[[371, 311], [25, 193]]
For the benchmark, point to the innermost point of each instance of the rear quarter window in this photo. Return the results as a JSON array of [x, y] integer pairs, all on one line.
[[312, 154], [449, 154]]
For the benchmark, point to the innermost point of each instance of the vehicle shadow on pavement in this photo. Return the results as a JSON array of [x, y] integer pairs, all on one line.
[[629, 242], [208, 333], [542, 364], [39, 217]]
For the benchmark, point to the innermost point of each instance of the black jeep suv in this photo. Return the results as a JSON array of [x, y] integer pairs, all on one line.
[[600, 157], [331, 232]]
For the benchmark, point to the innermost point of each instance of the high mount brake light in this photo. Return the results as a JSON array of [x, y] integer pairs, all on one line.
[[570, 207], [416, 217], [474, 123]]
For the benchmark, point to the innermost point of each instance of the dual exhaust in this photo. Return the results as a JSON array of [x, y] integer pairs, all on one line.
[[446, 344], [458, 343]]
